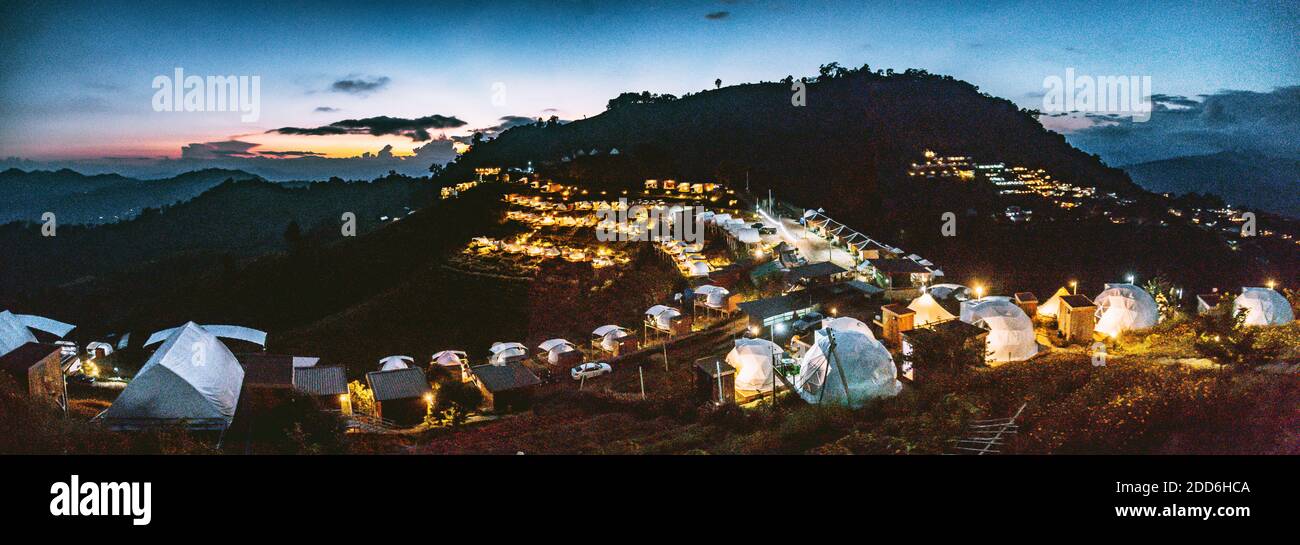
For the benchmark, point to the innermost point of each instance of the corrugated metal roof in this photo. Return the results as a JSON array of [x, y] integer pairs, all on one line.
[[321, 381], [398, 384], [274, 370], [507, 376]]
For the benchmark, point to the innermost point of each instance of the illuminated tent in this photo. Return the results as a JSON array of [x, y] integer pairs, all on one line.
[[1123, 307], [391, 363], [1011, 333], [236, 332], [845, 323], [609, 335], [504, 351], [698, 268], [1053, 304], [928, 310], [945, 291], [192, 377], [968, 306], [866, 366], [752, 359], [1263, 306], [714, 296]]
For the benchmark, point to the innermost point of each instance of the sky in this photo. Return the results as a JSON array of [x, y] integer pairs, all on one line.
[[77, 79]]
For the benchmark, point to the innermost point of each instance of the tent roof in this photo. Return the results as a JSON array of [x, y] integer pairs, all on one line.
[[553, 344], [607, 329], [41, 323], [236, 332], [13, 333]]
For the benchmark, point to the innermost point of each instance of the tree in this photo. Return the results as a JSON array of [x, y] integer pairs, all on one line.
[[1223, 337], [943, 349], [293, 236], [1165, 294], [454, 401], [363, 399], [717, 83], [436, 170]]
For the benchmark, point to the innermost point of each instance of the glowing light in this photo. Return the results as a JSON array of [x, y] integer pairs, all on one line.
[[1129, 278], [1271, 284]]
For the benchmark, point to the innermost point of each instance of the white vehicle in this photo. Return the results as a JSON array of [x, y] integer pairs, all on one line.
[[591, 369]]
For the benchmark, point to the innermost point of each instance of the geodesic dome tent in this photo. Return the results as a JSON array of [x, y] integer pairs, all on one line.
[[661, 317], [1263, 306], [1011, 333], [753, 360], [1124, 307], [867, 368], [845, 323], [714, 296], [192, 377], [557, 350]]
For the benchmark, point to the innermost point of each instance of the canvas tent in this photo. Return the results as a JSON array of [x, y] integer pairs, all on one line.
[[1011, 332], [865, 365], [753, 360], [845, 323], [1052, 306], [661, 317], [928, 310], [236, 332], [1263, 306], [450, 358], [16, 329], [395, 362], [1123, 307], [192, 377], [946, 291]]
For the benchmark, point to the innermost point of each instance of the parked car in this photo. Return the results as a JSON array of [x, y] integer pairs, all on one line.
[[591, 369]]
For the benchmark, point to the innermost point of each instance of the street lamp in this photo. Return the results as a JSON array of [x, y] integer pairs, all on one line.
[[1074, 286], [1271, 284], [1129, 278], [979, 292]]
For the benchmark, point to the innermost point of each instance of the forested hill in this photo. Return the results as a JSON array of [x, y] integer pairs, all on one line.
[[856, 129]]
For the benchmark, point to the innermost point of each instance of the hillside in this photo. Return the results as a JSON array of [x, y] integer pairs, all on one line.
[[75, 198], [232, 221], [1242, 179]]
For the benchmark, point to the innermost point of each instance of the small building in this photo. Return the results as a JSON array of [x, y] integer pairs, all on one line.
[[1076, 318], [37, 369], [401, 395], [901, 278], [267, 371], [1027, 302], [895, 319], [327, 384], [815, 274], [506, 386], [715, 381]]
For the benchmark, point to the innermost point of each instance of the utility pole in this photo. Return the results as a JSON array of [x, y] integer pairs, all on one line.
[[641, 372]]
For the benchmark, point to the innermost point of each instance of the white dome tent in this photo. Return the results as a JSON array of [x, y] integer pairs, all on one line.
[[698, 269], [944, 291], [928, 310], [1124, 307], [501, 352], [846, 368], [192, 377], [391, 363], [1263, 306], [556, 349], [1011, 333], [1052, 306], [846, 323], [450, 358], [608, 336], [715, 297], [965, 313], [661, 317], [753, 360]]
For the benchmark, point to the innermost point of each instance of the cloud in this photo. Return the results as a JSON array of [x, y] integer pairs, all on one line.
[[325, 109], [416, 129], [355, 85], [717, 15], [290, 153], [213, 150], [1245, 121]]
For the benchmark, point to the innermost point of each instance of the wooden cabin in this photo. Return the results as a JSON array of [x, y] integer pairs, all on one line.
[[1077, 318]]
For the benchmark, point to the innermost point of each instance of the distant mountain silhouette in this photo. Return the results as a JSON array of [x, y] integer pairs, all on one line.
[[855, 131], [1250, 179], [75, 198]]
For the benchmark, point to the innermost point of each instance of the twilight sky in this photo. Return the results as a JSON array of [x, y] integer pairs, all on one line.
[[75, 80]]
